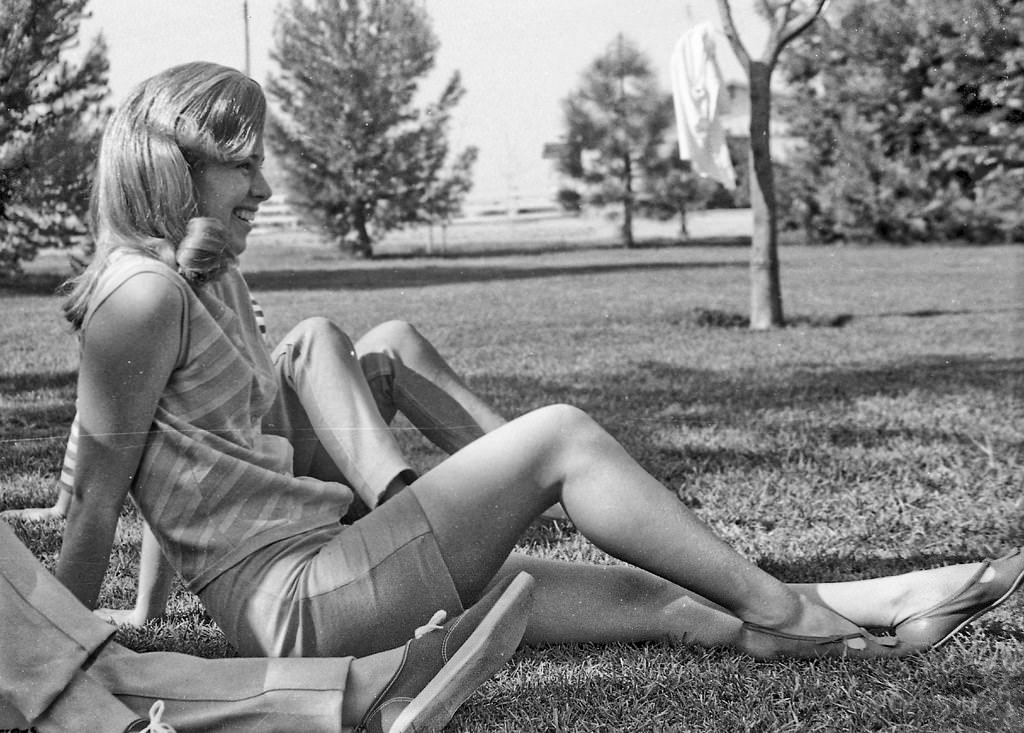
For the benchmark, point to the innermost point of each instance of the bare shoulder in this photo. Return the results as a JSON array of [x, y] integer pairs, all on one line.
[[145, 305]]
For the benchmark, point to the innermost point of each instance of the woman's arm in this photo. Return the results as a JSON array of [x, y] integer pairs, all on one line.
[[129, 349], [155, 578]]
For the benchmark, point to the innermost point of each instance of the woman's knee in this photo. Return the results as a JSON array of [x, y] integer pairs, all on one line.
[[312, 341], [567, 419], [391, 337], [570, 428], [319, 330]]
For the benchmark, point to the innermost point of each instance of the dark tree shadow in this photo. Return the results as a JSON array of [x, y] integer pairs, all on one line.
[[12, 384], [362, 278]]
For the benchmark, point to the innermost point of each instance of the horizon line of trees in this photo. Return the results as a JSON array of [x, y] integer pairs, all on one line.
[[909, 113]]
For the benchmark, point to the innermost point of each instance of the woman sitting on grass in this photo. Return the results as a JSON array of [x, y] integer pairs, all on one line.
[[174, 383]]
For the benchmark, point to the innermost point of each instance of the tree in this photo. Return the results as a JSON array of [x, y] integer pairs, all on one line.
[[51, 115], [616, 122], [787, 19], [356, 153], [912, 119], [670, 188]]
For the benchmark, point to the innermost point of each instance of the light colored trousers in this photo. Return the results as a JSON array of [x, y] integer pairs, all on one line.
[[59, 671]]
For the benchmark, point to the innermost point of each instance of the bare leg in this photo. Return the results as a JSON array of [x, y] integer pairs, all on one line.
[[578, 603], [590, 603], [482, 498]]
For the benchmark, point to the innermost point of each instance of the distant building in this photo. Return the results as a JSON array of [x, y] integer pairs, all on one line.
[[736, 120]]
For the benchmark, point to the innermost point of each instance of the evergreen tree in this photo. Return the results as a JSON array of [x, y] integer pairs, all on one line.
[[357, 154], [912, 116], [50, 120], [616, 122]]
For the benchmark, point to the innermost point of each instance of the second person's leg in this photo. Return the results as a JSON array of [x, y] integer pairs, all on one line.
[[411, 377], [407, 374], [328, 414]]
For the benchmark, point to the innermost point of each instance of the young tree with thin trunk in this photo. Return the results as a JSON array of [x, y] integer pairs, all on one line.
[[787, 19]]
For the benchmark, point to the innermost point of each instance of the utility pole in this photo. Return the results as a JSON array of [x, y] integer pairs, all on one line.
[[245, 22], [627, 157]]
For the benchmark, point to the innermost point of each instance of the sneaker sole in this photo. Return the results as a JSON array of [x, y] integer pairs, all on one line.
[[487, 649]]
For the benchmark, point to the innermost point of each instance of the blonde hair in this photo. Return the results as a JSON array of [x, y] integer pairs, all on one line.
[[143, 194]]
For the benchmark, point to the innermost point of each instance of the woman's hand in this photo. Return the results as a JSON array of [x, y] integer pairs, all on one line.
[[59, 510], [33, 514], [121, 616]]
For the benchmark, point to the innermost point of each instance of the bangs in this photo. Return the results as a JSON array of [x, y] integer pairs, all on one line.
[[225, 123]]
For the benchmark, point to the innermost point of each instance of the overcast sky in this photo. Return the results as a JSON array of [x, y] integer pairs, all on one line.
[[518, 59]]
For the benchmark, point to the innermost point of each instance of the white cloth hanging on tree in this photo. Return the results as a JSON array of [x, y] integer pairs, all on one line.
[[698, 92]]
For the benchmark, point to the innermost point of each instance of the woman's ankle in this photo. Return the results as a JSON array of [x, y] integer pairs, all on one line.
[[805, 617], [367, 677]]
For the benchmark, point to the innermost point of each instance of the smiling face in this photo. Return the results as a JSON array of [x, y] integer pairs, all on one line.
[[231, 192]]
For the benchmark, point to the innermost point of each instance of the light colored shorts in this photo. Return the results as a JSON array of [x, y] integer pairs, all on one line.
[[337, 591]]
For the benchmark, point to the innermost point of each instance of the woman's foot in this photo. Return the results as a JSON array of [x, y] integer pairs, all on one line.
[[815, 631], [444, 665], [989, 584]]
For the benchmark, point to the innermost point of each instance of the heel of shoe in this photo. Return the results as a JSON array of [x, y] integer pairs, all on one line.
[[927, 633]]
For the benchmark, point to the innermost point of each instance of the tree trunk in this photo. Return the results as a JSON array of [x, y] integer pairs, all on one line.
[[765, 289], [364, 245], [627, 203]]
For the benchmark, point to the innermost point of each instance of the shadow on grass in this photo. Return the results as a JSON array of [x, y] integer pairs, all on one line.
[[468, 250], [35, 284], [29, 457], [824, 567], [11, 384], [636, 406], [375, 278], [939, 313], [659, 386]]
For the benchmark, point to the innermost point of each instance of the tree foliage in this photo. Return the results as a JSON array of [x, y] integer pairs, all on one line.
[[357, 154], [912, 113], [50, 119], [617, 144]]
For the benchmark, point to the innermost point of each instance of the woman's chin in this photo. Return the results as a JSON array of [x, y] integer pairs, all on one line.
[[237, 245]]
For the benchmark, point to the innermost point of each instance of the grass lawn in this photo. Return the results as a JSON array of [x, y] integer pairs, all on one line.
[[882, 432]]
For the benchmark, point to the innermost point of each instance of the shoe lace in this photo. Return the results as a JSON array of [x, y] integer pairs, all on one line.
[[434, 624], [156, 724]]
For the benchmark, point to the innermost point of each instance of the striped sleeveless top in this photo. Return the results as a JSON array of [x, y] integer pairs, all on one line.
[[211, 486]]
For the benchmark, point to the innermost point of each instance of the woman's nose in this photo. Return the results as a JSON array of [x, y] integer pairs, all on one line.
[[260, 188]]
